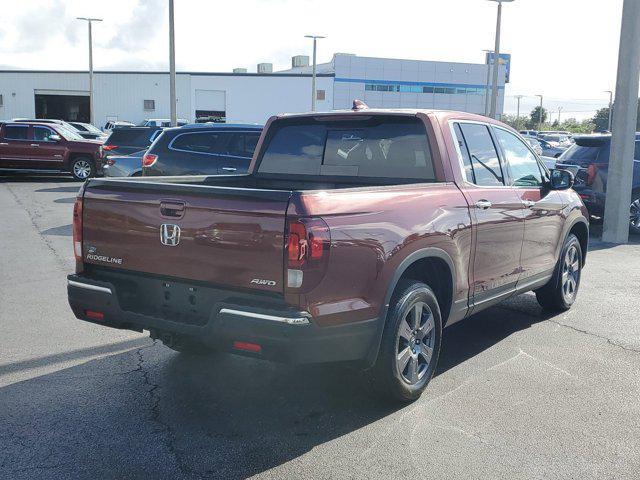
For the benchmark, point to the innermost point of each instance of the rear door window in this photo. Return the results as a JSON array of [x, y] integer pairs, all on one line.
[[16, 132], [377, 147], [482, 152], [197, 142], [242, 144]]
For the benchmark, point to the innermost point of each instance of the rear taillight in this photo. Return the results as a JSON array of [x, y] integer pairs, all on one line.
[[77, 232], [592, 170], [308, 244], [108, 148], [149, 159]]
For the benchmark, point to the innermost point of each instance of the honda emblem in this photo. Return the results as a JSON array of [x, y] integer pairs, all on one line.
[[169, 234]]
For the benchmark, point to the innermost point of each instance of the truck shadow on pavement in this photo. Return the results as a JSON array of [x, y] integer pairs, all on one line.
[[149, 412]]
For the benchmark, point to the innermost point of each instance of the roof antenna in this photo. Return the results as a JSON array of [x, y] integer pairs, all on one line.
[[359, 105]]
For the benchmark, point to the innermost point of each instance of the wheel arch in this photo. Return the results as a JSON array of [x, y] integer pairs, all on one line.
[[419, 265], [581, 230]]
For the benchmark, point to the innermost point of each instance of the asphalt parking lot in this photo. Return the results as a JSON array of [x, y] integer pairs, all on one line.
[[519, 393]]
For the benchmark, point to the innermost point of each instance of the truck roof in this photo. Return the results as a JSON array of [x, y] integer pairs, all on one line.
[[441, 114]]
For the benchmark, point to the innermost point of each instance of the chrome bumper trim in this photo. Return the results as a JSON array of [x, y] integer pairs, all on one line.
[[271, 318], [88, 286]]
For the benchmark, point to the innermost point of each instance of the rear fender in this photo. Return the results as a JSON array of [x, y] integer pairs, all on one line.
[[430, 252]]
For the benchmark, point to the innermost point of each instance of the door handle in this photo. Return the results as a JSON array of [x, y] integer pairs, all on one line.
[[483, 204], [528, 203], [172, 209], [35, 144], [229, 169]]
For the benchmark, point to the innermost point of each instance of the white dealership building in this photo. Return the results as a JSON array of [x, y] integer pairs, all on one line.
[[241, 97]]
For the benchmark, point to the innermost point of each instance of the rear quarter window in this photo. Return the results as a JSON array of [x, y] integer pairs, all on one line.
[[374, 147]]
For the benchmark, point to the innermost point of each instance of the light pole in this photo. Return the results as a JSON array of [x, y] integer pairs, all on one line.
[[540, 114], [610, 106], [496, 60], [559, 113], [623, 128], [518, 97], [313, 72], [89, 20], [172, 68], [487, 84]]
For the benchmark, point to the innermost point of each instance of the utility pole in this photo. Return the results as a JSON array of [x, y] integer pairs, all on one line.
[[559, 113], [518, 97], [172, 68], [89, 20], [620, 174], [610, 107], [540, 114], [487, 83], [496, 61], [313, 72]]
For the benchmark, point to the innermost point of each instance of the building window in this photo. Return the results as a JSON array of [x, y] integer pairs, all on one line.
[[149, 104], [320, 94], [392, 87]]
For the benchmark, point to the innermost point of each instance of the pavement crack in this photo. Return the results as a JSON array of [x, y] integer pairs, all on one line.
[[591, 334], [575, 329], [156, 417], [33, 219]]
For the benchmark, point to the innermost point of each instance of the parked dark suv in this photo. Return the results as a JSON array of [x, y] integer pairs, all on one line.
[[201, 149], [590, 154], [128, 140]]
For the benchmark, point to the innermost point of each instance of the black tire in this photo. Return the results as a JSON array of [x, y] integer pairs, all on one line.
[[558, 295], [82, 168], [387, 377], [634, 214]]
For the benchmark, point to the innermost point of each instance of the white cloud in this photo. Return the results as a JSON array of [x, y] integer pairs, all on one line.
[[563, 49]]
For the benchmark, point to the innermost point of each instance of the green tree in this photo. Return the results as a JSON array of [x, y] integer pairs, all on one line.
[[534, 117], [601, 119]]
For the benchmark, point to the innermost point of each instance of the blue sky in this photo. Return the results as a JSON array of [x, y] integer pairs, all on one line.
[[564, 49]]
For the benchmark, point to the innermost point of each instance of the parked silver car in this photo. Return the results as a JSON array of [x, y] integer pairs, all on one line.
[[535, 144], [549, 150], [124, 165]]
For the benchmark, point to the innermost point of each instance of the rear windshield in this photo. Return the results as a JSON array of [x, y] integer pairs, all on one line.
[[131, 137], [376, 146], [583, 153]]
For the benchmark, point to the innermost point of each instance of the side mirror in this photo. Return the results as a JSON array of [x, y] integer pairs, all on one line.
[[561, 179], [55, 138]]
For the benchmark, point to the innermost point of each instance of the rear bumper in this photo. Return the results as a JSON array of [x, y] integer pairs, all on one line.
[[283, 335]]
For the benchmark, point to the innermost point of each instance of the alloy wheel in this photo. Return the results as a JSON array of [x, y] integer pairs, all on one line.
[[415, 342], [82, 169], [570, 274]]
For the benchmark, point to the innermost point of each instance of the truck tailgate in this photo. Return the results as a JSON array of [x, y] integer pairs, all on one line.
[[225, 236]]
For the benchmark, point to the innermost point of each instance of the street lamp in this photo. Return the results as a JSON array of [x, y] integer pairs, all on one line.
[[89, 21], [540, 114], [610, 106], [172, 69], [496, 60], [313, 72], [486, 87], [518, 98]]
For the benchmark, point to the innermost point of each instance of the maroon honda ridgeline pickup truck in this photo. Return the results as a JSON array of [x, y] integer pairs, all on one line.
[[355, 236]]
